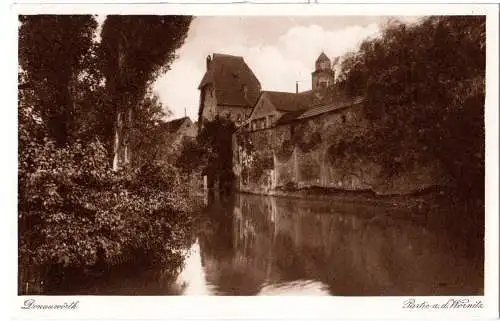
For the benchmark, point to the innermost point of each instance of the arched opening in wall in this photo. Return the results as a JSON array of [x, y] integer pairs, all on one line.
[[310, 143], [285, 151], [336, 152]]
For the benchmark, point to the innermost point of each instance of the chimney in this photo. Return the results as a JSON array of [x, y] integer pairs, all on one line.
[[209, 60], [296, 87]]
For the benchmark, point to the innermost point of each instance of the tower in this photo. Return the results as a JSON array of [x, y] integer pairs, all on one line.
[[323, 76]]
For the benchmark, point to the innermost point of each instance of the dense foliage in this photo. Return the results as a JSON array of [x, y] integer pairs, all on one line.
[[424, 88], [55, 53], [75, 211], [211, 153]]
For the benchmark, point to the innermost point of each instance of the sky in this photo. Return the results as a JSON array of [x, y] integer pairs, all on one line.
[[279, 50]]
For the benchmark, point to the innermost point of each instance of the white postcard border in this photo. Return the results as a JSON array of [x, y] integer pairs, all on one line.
[[141, 307]]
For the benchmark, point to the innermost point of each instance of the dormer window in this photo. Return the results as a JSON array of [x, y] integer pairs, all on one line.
[[244, 89], [209, 91], [270, 120]]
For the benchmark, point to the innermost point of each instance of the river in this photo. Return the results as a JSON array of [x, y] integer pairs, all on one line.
[[260, 245]]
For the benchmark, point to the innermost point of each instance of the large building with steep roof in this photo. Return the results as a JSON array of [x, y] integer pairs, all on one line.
[[228, 89]]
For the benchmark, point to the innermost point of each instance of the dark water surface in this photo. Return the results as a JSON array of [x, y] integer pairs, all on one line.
[[259, 245]]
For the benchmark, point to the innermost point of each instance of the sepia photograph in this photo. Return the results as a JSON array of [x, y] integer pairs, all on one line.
[[173, 155]]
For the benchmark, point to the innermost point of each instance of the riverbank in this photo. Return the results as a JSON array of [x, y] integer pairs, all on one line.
[[433, 207], [416, 199]]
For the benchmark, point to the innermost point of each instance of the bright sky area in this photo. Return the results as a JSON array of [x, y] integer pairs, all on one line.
[[279, 50]]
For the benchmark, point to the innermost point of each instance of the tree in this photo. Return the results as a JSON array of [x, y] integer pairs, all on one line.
[[74, 213], [424, 89], [52, 51], [147, 136], [134, 50]]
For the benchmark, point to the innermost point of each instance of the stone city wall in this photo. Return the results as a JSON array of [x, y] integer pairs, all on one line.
[[300, 155]]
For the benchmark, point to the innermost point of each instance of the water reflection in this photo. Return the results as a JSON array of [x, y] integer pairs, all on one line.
[[265, 245], [192, 278], [257, 245]]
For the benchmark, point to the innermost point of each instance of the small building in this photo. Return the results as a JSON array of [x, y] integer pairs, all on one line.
[[180, 128], [174, 132], [272, 105], [275, 108]]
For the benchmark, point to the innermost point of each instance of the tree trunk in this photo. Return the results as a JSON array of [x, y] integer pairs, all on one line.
[[128, 127], [119, 101], [121, 146], [117, 141]]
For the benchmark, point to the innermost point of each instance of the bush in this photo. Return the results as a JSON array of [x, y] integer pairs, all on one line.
[[75, 212]]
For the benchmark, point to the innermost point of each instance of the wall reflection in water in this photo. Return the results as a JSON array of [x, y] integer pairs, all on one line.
[[257, 245]]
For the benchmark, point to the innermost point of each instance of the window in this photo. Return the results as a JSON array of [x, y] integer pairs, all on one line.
[[270, 120], [343, 118]]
